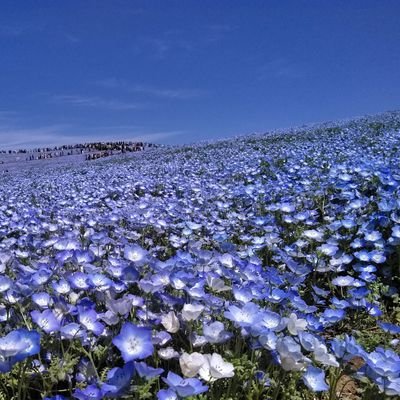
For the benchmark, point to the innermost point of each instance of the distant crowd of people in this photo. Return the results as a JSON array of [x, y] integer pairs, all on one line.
[[93, 150]]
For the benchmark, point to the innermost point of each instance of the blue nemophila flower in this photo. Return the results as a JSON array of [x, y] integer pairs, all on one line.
[[373, 309], [79, 280], [166, 394], [72, 331], [134, 342], [244, 295], [42, 299], [328, 249], [147, 372], [4, 313], [388, 327], [347, 349], [130, 274], [331, 316], [320, 292], [123, 305], [343, 281], [184, 387], [41, 277], [267, 339], [66, 244], [377, 256], [89, 319], [372, 236], [118, 380], [5, 283], [109, 318], [389, 385], [61, 287], [100, 281], [46, 320], [245, 316], [83, 256], [135, 253], [276, 295], [396, 232], [307, 340], [301, 305], [341, 304], [314, 378], [91, 392], [17, 346], [150, 286], [383, 362]]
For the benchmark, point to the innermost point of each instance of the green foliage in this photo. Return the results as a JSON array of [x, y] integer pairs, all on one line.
[[59, 368]]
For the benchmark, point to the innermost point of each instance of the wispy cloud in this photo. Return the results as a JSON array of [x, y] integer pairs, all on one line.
[[176, 41], [12, 137], [72, 38], [162, 46], [53, 135], [96, 102], [19, 29], [6, 115], [179, 94], [217, 32], [281, 68]]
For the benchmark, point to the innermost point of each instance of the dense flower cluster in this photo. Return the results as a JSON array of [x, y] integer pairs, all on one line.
[[214, 270]]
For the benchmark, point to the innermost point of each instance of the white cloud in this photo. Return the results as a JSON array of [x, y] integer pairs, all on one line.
[[281, 68], [96, 102], [179, 94], [19, 29], [72, 38]]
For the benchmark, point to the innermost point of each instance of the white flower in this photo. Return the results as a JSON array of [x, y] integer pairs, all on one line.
[[197, 340], [321, 354], [290, 354], [216, 284], [191, 311], [170, 322], [215, 332], [167, 353], [294, 325], [191, 363], [74, 297], [313, 234], [215, 368]]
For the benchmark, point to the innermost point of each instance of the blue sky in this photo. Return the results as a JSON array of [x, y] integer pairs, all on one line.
[[184, 71]]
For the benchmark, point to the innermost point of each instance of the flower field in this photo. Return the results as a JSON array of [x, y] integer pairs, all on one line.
[[262, 267]]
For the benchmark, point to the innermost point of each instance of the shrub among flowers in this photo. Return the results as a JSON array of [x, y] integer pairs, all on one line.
[[262, 267]]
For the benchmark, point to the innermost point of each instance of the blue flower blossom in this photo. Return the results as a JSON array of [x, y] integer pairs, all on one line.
[[17, 346], [184, 387], [314, 378], [118, 380], [133, 342]]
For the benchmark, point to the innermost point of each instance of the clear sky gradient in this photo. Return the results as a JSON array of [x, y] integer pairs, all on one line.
[[185, 71]]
